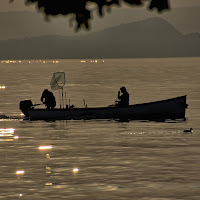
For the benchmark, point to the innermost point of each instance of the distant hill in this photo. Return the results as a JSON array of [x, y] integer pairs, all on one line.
[[153, 37], [30, 24]]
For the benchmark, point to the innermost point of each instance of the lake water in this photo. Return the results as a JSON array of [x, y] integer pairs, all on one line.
[[100, 159]]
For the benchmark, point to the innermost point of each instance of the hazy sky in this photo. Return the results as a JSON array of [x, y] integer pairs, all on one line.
[[18, 5]]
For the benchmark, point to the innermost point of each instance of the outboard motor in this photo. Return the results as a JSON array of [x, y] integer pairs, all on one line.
[[25, 105]]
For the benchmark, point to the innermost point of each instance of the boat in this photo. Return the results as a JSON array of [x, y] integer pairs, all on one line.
[[173, 108], [168, 109]]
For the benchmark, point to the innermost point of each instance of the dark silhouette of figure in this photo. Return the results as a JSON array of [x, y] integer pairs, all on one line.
[[123, 98], [48, 99]]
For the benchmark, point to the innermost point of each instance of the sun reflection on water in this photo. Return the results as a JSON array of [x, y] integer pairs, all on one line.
[[20, 172], [75, 170], [45, 147], [47, 184], [48, 170], [48, 156], [8, 132], [2, 87]]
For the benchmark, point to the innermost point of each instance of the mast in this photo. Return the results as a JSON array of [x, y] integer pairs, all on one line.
[[57, 83]]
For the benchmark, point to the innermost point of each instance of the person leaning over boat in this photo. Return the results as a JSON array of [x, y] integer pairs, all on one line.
[[48, 99], [123, 98]]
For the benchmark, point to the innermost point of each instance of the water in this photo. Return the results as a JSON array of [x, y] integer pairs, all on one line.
[[100, 159]]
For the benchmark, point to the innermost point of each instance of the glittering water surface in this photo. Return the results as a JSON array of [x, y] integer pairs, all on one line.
[[100, 159]]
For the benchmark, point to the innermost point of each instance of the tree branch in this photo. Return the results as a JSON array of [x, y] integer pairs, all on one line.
[[82, 14]]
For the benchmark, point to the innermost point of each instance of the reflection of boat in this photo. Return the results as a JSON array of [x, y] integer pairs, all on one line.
[[173, 108]]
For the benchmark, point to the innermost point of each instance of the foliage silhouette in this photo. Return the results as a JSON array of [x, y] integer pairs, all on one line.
[[81, 11]]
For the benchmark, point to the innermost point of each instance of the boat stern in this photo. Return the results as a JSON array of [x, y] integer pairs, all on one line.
[[24, 106]]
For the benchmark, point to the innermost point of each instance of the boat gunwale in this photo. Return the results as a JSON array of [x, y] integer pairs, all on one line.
[[109, 107]]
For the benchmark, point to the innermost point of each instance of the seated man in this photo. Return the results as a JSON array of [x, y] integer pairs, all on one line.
[[123, 98], [48, 99]]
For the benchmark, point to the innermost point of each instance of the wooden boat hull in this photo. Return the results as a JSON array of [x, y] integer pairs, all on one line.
[[173, 109]]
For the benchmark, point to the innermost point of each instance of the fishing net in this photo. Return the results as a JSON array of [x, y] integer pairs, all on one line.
[[58, 80]]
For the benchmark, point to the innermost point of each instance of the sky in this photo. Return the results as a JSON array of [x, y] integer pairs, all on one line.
[[19, 5]]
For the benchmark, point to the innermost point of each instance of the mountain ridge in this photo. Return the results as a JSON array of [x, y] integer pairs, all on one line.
[[28, 24], [154, 37]]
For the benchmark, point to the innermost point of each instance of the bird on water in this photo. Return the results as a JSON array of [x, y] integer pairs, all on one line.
[[188, 131]]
